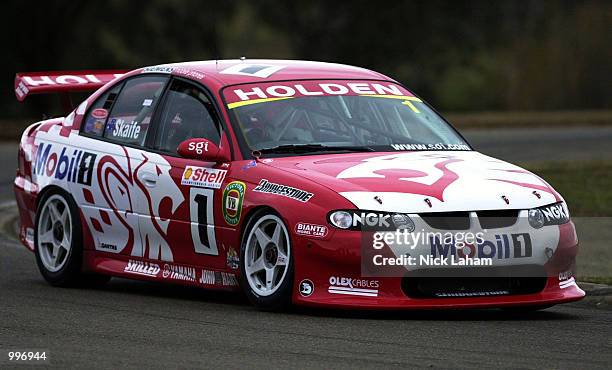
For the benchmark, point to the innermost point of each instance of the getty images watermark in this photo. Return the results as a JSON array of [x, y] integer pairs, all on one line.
[[432, 249]]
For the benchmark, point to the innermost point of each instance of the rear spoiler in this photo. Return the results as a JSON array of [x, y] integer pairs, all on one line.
[[62, 82]]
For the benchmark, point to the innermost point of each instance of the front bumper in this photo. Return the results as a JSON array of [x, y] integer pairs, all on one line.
[[337, 258]]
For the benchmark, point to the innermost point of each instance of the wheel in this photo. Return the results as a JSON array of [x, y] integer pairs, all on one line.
[[266, 263], [58, 242]]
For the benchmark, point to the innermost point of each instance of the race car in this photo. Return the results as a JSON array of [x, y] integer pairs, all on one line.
[[295, 182]]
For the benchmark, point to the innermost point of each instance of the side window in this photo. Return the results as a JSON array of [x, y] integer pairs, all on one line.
[[98, 113], [131, 114], [187, 113]]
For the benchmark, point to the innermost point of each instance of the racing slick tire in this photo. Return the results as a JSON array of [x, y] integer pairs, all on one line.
[[58, 242], [266, 262]]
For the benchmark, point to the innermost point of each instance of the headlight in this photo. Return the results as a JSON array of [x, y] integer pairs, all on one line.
[[552, 214], [357, 219], [403, 222], [536, 218], [341, 219]]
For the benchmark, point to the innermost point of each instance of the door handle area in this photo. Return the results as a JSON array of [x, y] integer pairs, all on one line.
[[149, 179]]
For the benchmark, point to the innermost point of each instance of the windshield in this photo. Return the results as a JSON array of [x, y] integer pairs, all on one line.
[[336, 115]]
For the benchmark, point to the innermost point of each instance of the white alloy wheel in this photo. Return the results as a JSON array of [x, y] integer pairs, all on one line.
[[267, 254], [54, 233]]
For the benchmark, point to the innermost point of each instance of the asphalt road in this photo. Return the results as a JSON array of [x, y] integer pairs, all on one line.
[[544, 143], [138, 325]]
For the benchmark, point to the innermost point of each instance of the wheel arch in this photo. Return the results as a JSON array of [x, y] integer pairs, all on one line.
[[51, 188], [254, 211]]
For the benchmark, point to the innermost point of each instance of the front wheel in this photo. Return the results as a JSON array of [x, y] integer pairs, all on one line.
[[266, 262]]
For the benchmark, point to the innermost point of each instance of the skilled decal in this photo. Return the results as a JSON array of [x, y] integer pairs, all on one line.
[[142, 268], [73, 165], [305, 229], [265, 186], [353, 286], [233, 195], [203, 177], [177, 272]]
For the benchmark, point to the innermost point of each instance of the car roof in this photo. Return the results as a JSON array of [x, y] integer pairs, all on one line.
[[240, 71]]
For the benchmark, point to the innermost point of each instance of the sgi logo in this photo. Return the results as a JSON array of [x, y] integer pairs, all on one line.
[[77, 167]]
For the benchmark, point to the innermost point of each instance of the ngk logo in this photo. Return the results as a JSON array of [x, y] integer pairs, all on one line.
[[555, 212], [371, 219]]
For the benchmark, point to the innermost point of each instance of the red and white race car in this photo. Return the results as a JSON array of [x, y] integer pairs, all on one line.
[[298, 182]]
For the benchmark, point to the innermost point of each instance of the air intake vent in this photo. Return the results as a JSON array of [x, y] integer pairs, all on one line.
[[474, 283], [495, 219], [447, 220]]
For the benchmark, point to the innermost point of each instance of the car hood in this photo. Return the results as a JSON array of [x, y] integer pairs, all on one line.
[[415, 182]]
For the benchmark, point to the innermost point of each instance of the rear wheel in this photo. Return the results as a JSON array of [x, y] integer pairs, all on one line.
[[58, 242], [266, 262]]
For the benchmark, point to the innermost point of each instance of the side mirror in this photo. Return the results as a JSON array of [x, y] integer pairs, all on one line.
[[202, 150]]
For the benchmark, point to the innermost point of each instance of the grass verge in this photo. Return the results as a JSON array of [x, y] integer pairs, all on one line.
[[586, 186], [587, 189]]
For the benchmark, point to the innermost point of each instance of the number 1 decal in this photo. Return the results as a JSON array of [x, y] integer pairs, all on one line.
[[202, 221]]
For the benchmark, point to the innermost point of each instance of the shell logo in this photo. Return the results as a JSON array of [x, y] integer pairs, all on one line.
[[187, 174]]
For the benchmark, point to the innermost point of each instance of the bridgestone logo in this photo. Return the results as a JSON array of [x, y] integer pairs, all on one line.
[[283, 190]]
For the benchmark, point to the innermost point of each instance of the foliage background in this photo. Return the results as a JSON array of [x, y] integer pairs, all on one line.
[[459, 55]]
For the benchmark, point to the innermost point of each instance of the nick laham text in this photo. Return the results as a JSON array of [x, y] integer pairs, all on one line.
[[429, 260]]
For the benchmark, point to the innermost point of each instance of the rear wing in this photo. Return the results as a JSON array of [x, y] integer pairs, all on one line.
[[62, 82]]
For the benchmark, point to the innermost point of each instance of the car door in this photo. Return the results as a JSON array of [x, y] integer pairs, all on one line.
[[115, 129], [187, 112]]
